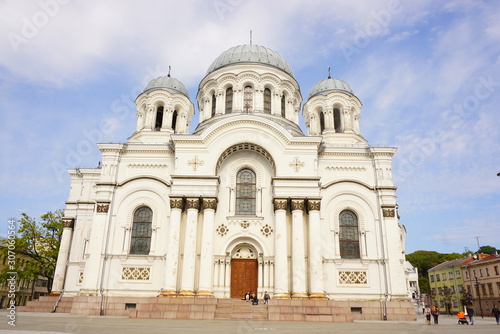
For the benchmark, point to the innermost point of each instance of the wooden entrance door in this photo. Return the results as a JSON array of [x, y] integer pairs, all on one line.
[[244, 274]]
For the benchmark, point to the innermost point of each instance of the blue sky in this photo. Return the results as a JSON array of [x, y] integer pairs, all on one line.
[[427, 73]]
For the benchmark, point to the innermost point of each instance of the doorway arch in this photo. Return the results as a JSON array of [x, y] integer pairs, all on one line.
[[244, 270]]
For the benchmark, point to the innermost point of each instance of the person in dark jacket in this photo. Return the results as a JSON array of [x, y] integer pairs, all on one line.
[[470, 313], [496, 312]]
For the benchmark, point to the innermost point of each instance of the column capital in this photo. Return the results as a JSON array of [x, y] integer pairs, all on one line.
[[280, 204], [297, 204], [313, 204], [102, 207], [210, 203], [176, 203], [193, 203], [68, 222]]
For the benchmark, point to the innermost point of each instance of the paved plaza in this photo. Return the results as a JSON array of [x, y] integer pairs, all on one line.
[[47, 323]]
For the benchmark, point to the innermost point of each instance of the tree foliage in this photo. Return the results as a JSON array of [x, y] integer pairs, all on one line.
[[425, 260], [486, 250], [36, 247]]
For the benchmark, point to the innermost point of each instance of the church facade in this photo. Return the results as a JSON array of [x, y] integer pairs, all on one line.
[[246, 202]]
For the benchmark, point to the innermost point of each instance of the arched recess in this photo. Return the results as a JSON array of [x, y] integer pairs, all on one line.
[[244, 266], [245, 147]]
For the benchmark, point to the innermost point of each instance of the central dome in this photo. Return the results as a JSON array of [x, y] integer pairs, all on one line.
[[250, 53]]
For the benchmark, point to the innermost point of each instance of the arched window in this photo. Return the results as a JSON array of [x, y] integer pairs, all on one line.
[[349, 235], [213, 104], [248, 99], [321, 122], [245, 192], [174, 120], [229, 100], [267, 101], [159, 118], [336, 120], [141, 231], [283, 106]]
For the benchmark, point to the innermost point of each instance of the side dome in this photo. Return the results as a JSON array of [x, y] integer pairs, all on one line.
[[167, 83], [250, 53], [330, 85]]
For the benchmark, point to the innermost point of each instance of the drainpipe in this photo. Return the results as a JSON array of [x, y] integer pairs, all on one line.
[[382, 243], [101, 289]]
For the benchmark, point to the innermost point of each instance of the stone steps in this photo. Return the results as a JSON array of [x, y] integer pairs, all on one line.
[[236, 309], [46, 304]]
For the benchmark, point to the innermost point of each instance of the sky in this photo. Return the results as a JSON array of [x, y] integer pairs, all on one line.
[[427, 73]]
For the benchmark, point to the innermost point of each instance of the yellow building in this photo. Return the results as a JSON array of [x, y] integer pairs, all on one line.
[[447, 286]]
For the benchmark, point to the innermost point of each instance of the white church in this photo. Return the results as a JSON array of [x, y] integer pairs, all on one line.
[[248, 201]]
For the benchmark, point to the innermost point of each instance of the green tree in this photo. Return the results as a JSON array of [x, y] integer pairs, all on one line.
[[425, 260], [37, 242], [486, 250]]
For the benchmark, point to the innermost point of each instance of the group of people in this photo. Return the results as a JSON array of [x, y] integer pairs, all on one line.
[[469, 311], [250, 296]]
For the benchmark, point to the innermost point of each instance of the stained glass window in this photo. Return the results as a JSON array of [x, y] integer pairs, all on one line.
[[141, 231], [229, 100], [245, 192], [349, 236], [267, 101], [248, 99]]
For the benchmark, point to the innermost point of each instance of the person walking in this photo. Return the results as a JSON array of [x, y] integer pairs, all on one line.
[[266, 297], [496, 312], [470, 312], [427, 313], [435, 314]]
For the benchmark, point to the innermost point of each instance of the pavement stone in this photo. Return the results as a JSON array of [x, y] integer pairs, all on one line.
[[58, 323]]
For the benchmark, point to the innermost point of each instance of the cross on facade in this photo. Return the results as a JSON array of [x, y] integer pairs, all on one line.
[[196, 162], [296, 164]]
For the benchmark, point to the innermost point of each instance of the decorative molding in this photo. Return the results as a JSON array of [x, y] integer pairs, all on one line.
[[222, 230], [147, 165], [353, 278], [176, 203], [389, 212], [136, 273], [266, 230], [102, 208], [210, 203], [195, 163], [313, 205], [245, 147], [193, 203], [80, 277], [296, 164], [297, 204], [68, 223], [280, 204], [345, 169]]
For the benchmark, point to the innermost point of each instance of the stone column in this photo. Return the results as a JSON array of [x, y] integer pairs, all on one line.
[[315, 257], [298, 252], [172, 259], [62, 257], [93, 265], [167, 118], [281, 279], [189, 260], [207, 249]]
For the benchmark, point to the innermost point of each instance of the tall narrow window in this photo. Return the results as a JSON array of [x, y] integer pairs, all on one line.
[[321, 122], [159, 118], [248, 99], [336, 120], [349, 236], [267, 101], [141, 231], [213, 104], [229, 100], [174, 120], [245, 192], [283, 106]]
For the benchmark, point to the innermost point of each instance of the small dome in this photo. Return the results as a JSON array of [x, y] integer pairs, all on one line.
[[167, 83], [330, 85], [250, 53]]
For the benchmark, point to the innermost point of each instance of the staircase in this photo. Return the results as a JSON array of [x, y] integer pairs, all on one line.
[[236, 309]]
